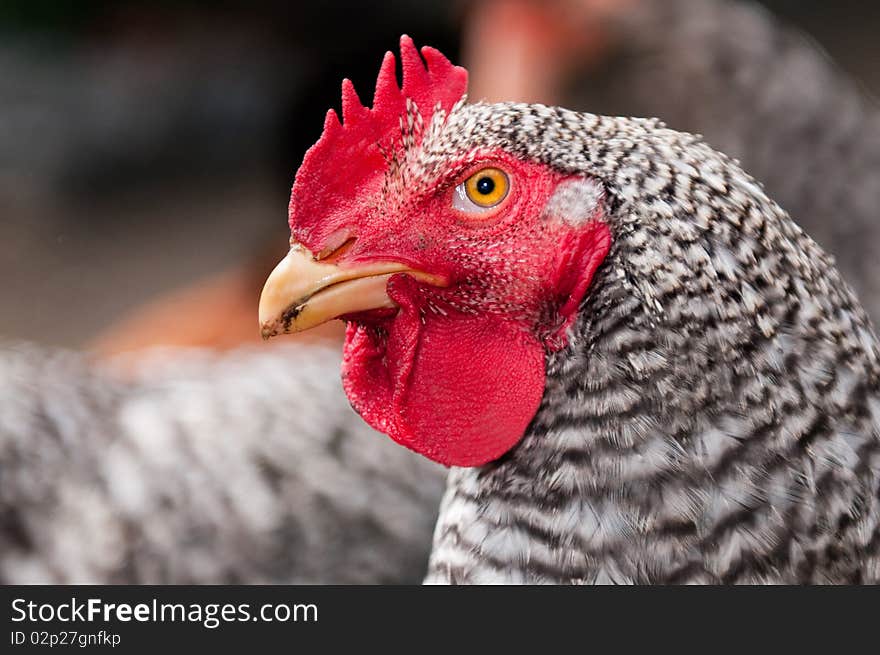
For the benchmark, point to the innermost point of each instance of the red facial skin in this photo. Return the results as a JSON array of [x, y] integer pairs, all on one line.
[[457, 373]]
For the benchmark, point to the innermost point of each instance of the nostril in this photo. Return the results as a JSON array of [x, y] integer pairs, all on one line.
[[336, 245]]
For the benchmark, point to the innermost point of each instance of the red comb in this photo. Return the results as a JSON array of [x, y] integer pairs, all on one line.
[[351, 150]]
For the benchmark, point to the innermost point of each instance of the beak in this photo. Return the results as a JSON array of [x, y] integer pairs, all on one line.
[[303, 292]]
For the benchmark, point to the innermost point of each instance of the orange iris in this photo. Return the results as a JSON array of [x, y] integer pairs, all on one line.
[[488, 187]]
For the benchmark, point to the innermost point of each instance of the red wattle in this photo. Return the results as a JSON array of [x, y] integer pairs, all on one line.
[[458, 389]]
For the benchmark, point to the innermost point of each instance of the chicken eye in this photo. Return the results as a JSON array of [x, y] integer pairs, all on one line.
[[482, 190]]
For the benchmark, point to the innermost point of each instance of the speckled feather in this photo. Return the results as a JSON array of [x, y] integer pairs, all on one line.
[[716, 415], [241, 468]]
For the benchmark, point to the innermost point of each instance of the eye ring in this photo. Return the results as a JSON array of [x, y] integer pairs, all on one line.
[[482, 191]]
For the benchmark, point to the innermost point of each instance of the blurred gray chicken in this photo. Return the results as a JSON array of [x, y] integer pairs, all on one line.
[[246, 467]]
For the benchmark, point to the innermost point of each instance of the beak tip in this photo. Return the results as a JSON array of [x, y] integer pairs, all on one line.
[[268, 330], [302, 292]]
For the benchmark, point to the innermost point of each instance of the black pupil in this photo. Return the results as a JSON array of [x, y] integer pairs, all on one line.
[[485, 186]]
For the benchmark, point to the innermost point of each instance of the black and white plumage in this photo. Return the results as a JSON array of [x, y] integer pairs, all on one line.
[[241, 468], [716, 416]]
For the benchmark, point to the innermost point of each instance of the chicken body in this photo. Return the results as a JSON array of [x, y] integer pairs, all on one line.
[[247, 467], [716, 414]]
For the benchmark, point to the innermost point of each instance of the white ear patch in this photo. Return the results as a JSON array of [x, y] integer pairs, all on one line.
[[575, 201]]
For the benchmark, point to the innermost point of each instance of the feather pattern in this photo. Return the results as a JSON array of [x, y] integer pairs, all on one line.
[[247, 467]]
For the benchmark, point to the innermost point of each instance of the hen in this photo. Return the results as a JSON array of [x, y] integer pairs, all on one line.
[[201, 468], [640, 368]]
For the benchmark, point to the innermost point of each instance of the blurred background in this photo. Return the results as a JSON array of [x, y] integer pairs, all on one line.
[[147, 148]]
